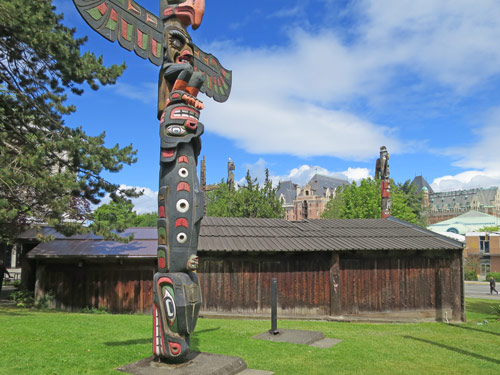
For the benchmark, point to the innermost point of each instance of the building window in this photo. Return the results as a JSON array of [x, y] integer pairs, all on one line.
[[485, 267], [484, 244]]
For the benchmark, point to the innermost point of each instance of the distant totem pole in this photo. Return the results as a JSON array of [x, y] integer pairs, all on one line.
[[230, 175], [382, 173], [185, 70]]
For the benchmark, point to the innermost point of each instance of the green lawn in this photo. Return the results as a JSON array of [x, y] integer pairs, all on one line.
[[44, 342]]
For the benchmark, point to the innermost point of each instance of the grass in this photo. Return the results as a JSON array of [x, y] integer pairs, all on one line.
[[47, 342]]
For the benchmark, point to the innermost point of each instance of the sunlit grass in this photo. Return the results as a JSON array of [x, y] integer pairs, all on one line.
[[45, 342]]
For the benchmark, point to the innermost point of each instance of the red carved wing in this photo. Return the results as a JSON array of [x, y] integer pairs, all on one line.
[[135, 28], [217, 79]]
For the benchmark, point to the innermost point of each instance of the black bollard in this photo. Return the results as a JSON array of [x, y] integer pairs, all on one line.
[[274, 307]]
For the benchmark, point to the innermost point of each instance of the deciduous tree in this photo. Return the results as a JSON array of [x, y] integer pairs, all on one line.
[[249, 200], [363, 201]]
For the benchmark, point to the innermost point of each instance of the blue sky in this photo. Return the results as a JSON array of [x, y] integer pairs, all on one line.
[[319, 86]]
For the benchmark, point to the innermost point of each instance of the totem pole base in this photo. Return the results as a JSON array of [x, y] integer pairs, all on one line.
[[195, 364]]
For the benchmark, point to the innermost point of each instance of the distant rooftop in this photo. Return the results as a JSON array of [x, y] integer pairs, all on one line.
[[320, 183], [469, 222], [420, 183]]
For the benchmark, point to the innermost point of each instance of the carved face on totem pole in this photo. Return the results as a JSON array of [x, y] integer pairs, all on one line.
[[185, 71]]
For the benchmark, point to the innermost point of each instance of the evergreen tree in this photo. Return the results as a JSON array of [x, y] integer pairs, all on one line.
[[118, 214], [249, 200], [49, 171]]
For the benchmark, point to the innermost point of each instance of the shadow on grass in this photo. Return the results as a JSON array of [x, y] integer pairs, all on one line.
[[129, 342], [194, 340], [11, 311], [194, 343], [456, 350], [475, 329], [480, 306]]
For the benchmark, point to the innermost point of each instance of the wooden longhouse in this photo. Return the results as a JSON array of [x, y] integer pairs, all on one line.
[[329, 269]]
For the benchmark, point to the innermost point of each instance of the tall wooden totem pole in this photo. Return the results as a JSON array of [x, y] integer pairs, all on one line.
[[382, 173], [185, 70]]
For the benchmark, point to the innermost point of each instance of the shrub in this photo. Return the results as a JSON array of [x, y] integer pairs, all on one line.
[[23, 298], [496, 276], [45, 301], [94, 310], [496, 308], [470, 275]]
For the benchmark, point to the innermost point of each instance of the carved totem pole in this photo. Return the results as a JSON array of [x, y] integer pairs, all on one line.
[[382, 172], [230, 174], [185, 70]]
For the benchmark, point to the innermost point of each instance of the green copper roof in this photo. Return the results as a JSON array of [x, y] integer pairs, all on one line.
[[469, 222]]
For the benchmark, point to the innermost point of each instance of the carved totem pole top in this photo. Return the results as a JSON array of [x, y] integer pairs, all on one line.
[[139, 30]]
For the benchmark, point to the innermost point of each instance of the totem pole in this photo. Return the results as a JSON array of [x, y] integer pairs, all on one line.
[[382, 173], [185, 70], [230, 175]]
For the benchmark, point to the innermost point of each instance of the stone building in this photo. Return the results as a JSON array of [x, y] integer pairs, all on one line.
[[440, 206], [309, 201]]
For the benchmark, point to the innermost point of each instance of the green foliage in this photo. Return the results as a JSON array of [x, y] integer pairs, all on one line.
[[23, 298], [470, 275], [148, 219], [496, 276], [46, 301], [489, 229], [496, 309], [249, 200], [15, 283], [93, 310], [50, 171], [120, 214], [363, 201]]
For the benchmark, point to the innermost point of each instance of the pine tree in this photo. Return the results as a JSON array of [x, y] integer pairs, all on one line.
[[49, 171]]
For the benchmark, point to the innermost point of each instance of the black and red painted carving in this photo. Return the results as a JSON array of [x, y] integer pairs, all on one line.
[[185, 71], [382, 173]]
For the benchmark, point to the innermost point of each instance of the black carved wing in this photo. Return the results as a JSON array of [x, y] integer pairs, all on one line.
[[217, 79], [135, 28]]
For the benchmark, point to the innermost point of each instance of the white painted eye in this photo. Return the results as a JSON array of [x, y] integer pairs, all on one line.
[[182, 205], [182, 237], [183, 172], [175, 130]]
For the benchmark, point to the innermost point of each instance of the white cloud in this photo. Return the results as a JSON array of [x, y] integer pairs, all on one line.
[[466, 180], [147, 202], [454, 42], [302, 174], [145, 92], [300, 98], [483, 152]]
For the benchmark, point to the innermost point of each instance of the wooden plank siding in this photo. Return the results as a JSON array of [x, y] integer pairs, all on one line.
[[309, 284], [421, 281], [242, 285], [119, 288]]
